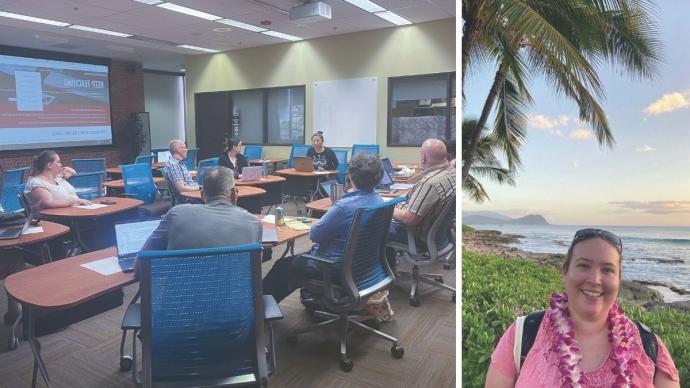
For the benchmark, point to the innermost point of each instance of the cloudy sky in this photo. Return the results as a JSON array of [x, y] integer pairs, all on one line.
[[567, 177]]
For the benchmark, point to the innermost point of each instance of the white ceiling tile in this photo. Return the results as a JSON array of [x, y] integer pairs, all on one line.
[[421, 14]]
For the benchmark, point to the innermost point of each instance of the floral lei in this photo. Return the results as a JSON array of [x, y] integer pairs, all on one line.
[[621, 335]]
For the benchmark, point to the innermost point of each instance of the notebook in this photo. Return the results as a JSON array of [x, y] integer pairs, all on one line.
[[303, 164], [269, 235], [130, 238], [251, 173]]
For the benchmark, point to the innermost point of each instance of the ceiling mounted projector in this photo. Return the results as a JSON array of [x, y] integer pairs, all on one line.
[[311, 12]]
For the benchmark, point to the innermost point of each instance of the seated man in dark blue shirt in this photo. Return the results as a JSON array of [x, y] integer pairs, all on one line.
[[329, 234]]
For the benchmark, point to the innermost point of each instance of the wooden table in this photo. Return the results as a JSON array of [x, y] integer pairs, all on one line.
[[272, 184], [119, 184], [322, 205], [57, 286], [268, 180], [118, 170], [248, 197], [287, 235], [399, 166], [259, 162], [74, 214], [50, 231], [298, 182]]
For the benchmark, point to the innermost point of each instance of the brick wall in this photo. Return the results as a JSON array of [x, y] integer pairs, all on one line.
[[126, 96]]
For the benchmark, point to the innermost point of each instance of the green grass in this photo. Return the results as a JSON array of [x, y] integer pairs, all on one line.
[[496, 290], [467, 228]]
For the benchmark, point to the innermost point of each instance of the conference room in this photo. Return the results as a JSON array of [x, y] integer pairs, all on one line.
[[283, 93]]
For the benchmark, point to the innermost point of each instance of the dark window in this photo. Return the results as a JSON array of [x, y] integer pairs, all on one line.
[[421, 107], [285, 113]]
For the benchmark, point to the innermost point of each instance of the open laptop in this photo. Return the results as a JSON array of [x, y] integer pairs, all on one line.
[[251, 173], [13, 232], [387, 166], [303, 164], [162, 156], [130, 238], [386, 183]]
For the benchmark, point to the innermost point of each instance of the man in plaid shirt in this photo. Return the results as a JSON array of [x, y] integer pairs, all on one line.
[[176, 170]]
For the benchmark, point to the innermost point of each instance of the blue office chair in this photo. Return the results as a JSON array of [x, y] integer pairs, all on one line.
[[191, 158], [138, 182], [202, 317], [16, 176], [253, 152], [82, 166], [209, 162], [200, 174], [145, 159], [367, 148], [342, 165], [88, 185], [297, 150], [347, 284], [438, 245], [11, 201]]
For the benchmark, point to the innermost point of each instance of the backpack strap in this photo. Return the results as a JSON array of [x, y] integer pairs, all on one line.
[[648, 342], [526, 328]]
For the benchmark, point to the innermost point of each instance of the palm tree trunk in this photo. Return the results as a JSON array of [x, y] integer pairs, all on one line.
[[481, 123], [467, 37]]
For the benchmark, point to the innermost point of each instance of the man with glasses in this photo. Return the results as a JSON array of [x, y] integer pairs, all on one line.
[[176, 170]]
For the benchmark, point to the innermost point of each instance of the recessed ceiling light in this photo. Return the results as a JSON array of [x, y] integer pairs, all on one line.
[[188, 11], [33, 19], [99, 31], [281, 35], [366, 5], [244, 26], [393, 18], [185, 46]]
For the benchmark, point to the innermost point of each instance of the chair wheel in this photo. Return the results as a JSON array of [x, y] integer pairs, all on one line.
[[446, 266], [373, 323], [346, 363], [292, 340], [397, 351], [439, 279], [12, 343], [125, 363], [453, 297], [414, 302]]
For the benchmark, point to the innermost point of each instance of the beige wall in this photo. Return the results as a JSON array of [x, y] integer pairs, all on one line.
[[416, 49]]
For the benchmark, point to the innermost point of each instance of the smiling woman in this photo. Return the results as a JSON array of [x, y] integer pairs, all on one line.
[[584, 338]]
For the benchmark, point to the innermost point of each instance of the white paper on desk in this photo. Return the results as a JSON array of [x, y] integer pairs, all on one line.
[[271, 219], [33, 230], [92, 206], [323, 172], [107, 266]]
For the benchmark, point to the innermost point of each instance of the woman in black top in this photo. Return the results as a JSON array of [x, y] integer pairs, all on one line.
[[232, 157], [323, 158]]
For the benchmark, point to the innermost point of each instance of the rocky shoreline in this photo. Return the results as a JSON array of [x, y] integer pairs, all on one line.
[[493, 242]]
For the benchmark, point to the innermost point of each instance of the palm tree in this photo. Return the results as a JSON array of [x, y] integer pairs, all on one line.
[[563, 41], [486, 164]]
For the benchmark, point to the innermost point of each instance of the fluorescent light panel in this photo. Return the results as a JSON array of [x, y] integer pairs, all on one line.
[[33, 19], [198, 48], [393, 18], [149, 2], [188, 11], [366, 5], [281, 35], [245, 26], [99, 31]]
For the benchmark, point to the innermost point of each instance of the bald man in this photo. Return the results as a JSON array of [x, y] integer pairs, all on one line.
[[426, 198], [176, 169]]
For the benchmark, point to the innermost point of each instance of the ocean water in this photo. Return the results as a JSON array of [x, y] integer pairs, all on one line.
[[649, 252]]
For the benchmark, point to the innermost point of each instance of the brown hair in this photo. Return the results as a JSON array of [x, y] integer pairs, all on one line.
[[42, 159]]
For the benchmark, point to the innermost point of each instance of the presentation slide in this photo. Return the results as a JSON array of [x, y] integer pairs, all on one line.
[[51, 104]]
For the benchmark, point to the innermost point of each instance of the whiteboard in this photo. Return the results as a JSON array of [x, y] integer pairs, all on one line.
[[345, 111]]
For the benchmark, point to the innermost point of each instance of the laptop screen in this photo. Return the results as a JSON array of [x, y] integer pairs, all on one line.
[[385, 179], [131, 236], [163, 156], [387, 166]]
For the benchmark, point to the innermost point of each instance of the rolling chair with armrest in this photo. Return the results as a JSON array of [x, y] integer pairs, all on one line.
[[253, 152], [225, 342], [15, 176], [145, 159], [437, 245], [297, 150], [347, 284], [138, 182], [342, 165], [190, 161], [366, 148], [88, 185]]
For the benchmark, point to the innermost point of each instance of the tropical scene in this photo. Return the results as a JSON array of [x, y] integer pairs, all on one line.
[[576, 197]]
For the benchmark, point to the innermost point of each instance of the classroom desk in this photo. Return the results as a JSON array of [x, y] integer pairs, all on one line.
[[50, 231], [273, 163], [272, 184], [60, 285], [74, 214], [287, 235], [298, 182], [247, 197], [321, 206]]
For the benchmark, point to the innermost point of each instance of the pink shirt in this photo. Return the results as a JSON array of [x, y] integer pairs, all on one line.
[[540, 368]]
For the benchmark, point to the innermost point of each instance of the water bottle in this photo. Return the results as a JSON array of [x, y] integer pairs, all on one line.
[[264, 169]]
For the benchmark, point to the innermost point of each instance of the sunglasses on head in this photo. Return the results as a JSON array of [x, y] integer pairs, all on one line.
[[586, 234]]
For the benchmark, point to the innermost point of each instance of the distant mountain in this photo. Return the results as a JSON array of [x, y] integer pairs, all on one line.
[[483, 219], [486, 213]]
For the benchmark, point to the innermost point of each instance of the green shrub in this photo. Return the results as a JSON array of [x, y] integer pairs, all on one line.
[[496, 290], [467, 228]]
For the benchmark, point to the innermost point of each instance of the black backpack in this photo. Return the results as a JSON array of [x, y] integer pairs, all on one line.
[[533, 321]]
